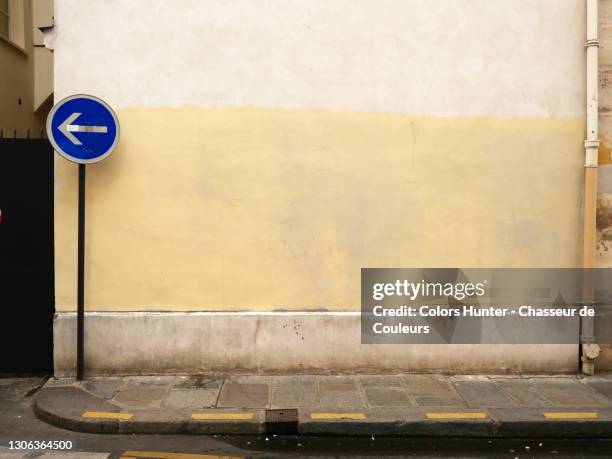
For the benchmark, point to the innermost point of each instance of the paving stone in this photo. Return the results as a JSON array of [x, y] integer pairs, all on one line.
[[141, 397], [290, 396], [341, 398], [133, 381], [603, 387], [297, 380], [70, 401], [429, 386], [482, 378], [337, 384], [60, 382], [440, 401], [483, 394], [386, 396], [384, 381], [339, 391], [187, 398], [566, 392], [523, 392], [103, 387], [244, 395], [338, 381], [198, 382], [249, 379]]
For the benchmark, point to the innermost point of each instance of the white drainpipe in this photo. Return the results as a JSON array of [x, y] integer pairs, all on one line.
[[590, 350], [592, 51]]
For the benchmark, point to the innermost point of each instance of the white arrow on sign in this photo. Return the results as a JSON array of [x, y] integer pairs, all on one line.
[[67, 128]]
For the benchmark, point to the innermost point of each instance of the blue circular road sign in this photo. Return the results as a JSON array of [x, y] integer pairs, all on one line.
[[83, 129]]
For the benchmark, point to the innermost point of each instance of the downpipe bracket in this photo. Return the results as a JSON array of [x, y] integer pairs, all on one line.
[[592, 42], [591, 148]]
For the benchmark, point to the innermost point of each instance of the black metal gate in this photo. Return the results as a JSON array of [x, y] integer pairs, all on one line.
[[26, 256]]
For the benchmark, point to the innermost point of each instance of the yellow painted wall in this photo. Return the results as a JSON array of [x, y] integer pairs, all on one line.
[[261, 209]]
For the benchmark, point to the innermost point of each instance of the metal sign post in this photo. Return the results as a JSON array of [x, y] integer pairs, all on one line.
[[81, 275], [91, 140]]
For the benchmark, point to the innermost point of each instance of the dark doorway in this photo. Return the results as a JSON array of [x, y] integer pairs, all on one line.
[[26, 256]]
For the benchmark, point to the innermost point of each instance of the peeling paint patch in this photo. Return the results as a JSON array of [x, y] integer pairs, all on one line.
[[604, 156], [604, 230]]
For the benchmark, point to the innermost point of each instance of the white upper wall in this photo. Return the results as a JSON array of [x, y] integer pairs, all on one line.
[[502, 58]]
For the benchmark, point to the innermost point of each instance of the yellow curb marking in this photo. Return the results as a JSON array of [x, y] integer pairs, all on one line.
[[475, 415], [107, 415], [162, 455], [222, 416], [328, 416], [571, 415]]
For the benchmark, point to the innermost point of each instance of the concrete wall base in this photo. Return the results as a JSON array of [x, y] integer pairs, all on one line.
[[139, 343]]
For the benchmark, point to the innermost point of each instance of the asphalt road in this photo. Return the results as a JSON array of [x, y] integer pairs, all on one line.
[[18, 423]]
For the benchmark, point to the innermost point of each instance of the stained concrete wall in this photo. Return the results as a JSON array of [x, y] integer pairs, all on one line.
[[280, 342], [604, 202], [271, 149]]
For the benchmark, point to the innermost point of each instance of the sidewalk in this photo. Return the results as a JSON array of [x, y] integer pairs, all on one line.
[[400, 405]]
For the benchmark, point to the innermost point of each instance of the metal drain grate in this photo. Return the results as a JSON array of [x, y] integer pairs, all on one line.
[[282, 421]]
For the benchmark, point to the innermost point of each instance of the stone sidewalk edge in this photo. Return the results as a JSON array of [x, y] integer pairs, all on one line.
[[410, 422]]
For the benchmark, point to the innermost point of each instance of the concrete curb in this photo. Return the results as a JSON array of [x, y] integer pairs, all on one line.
[[65, 407]]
